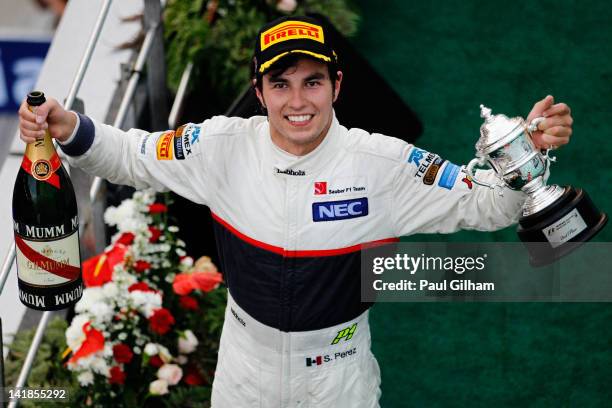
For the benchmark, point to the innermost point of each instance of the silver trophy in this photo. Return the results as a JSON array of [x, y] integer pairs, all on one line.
[[558, 218]]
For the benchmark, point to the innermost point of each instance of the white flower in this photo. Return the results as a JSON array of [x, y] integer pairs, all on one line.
[[122, 336], [85, 378], [158, 387], [90, 296], [136, 350], [173, 228], [130, 223], [102, 312], [187, 261], [146, 302], [164, 354], [151, 349], [187, 342], [110, 216], [182, 360], [286, 6], [110, 290], [74, 333], [171, 373], [99, 365], [108, 350]]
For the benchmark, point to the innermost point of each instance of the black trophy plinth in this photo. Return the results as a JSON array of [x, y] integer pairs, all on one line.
[[561, 227]]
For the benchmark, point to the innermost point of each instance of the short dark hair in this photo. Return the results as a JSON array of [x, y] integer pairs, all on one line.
[[290, 61]]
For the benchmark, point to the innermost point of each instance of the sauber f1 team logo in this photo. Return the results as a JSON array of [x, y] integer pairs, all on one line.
[[164, 146], [291, 30], [320, 187]]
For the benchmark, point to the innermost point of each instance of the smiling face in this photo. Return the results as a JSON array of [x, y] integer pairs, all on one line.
[[299, 104]]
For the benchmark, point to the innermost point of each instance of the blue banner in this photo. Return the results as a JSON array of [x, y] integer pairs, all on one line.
[[20, 64]]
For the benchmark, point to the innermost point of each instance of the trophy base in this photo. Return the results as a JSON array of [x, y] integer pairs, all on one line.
[[561, 227]]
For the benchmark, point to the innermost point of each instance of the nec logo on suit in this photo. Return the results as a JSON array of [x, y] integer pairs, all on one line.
[[339, 210]]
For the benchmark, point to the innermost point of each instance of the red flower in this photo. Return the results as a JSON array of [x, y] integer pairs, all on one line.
[[94, 341], [188, 303], [161, 320], [157, 208], [155, 234], [127, 238], [117, 376], [207, 281], [185, 283], [141, 286], [122, 353], [99, 269], [193, 377], [156, 361], [141, 266]]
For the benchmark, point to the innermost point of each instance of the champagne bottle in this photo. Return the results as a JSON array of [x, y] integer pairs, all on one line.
[[46, 226]]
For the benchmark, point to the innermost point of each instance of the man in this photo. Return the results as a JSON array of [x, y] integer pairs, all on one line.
[[293, 196]]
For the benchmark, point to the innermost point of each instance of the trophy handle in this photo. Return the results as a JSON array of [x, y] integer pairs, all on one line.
[[480, 162], [533, 126]]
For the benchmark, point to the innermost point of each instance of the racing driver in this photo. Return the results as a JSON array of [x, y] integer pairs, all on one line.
[[294, 195]]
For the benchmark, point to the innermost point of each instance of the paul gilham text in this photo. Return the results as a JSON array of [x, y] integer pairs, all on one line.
[[423, 284]]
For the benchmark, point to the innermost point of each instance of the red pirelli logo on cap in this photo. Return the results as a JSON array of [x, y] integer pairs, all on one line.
[[291, 30]]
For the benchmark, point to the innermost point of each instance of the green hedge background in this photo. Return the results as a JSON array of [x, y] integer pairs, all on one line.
[[446, 58]]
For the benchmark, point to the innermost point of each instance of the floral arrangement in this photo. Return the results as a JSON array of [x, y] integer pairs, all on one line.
[[149, 320]]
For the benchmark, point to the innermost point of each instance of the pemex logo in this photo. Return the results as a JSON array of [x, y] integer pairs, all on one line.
[[291, 30]]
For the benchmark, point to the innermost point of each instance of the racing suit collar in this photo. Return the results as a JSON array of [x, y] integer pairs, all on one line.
[[285, 164]]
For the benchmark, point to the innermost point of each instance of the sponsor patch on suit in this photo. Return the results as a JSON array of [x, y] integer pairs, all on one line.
[[432, 171], [340, 210], [449, 175], [350, 186], [164, 146]]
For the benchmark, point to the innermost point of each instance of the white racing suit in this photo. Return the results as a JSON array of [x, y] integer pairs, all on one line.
[[289, 231]]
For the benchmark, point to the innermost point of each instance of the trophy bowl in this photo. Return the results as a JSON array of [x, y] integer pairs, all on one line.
[[555, 220]]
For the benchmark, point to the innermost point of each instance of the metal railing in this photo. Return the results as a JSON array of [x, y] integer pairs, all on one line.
[[122, 112], [127, 97]]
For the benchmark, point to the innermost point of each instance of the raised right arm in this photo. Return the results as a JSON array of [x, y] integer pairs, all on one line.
[[171, 160]]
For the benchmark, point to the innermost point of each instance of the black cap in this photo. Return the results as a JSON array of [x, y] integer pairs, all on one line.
[[289, 35], [36, 98]]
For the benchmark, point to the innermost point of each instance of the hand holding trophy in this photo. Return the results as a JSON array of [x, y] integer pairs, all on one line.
[[555, 219]]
